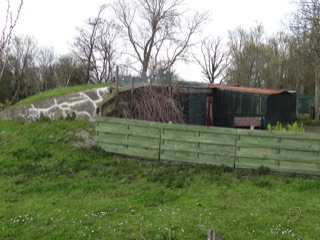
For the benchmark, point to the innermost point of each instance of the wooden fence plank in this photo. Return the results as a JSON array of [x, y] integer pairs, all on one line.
[[130, 142], [204, 159], [245, 153]]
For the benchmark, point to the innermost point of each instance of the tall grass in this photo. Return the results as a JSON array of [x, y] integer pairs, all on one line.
[[54, 184]]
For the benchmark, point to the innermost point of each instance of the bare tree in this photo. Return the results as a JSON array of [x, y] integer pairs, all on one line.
[[10, 23], [46, 61], [64, 69], [96, 47], [21, 62], [106, 51], [237, 71], [69, 71], [85, 43], [250, 57], [213, 59], [305, 25], [159, 31]]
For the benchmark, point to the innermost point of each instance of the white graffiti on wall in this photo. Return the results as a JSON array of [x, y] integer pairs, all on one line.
[[82, 104]]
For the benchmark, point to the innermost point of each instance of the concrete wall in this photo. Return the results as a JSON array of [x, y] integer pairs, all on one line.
[[83, 104]]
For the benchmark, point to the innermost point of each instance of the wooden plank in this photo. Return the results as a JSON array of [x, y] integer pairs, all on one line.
[[167, 126], [114, 148], [299, 167], [293, 167], [204, 159], [105, 120], [224, 141], [144, 153], [124, 130], [297, 152], [298, 146], [245, 153], [198, 147], [270, 136], [202, 129], [129, 142], [195, 151], [130, 151], [227, 150], [283, 135]]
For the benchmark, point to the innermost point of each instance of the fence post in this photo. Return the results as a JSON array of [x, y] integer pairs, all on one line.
[[160, 142], [235, 150]]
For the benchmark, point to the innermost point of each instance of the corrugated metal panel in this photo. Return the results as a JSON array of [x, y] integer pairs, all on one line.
[[281, 108], [228, 104]]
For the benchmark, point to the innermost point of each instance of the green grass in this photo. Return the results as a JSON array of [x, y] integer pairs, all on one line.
[[58, 92], [55, 185]]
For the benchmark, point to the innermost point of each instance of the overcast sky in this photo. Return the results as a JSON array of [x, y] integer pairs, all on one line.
[[54, 22]]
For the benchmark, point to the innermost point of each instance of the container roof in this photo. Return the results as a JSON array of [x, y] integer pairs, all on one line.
[[249, 90]]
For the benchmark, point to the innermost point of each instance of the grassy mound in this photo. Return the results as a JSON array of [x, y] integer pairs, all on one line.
[[59, 92], [54, 184]]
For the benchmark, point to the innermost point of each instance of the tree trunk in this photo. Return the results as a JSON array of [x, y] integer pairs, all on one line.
[[316, 98]]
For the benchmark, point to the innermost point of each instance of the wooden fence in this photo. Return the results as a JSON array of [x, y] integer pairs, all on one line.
[[238, 148]]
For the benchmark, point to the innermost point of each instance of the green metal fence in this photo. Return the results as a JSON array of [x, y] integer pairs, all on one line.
[[304, 103], [238, 148]]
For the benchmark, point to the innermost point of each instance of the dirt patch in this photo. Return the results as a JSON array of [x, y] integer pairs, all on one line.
[[84, 139]]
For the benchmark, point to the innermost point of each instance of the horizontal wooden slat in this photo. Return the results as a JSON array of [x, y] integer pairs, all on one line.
[[124, 130], [223, 141], [279, 157], [129, 142], [293, 167], [280, 145], [283, 135], [130, 151], [229, 153], [208, 159]]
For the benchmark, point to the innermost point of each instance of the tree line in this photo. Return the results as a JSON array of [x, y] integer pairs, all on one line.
[[143, 37]]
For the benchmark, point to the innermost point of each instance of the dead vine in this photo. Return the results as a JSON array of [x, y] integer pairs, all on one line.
[[151, 104]]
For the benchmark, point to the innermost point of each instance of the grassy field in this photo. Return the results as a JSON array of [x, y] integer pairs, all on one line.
[[54, 184]]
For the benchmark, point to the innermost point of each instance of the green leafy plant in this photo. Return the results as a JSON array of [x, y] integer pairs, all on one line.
[[4, 105], [294, 127]]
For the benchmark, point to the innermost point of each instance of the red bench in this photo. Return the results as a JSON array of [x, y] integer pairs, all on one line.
[[247, 122]]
